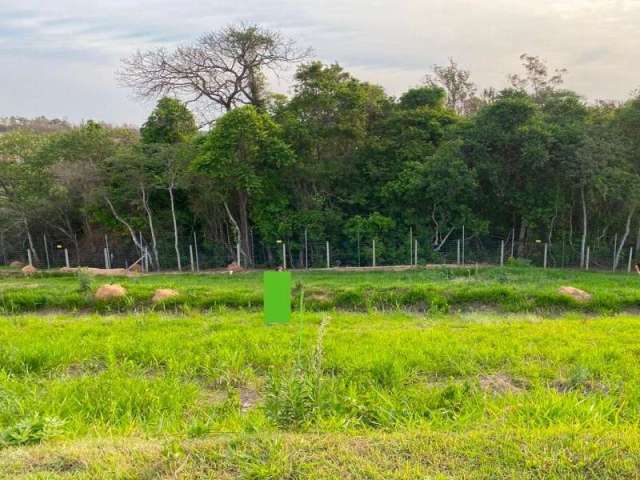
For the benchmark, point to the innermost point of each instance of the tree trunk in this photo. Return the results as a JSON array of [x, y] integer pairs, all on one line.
[[244, 226], [76, 245], [147, 209], [30, 242], [136, 242], [583, 241], [521, 237], [619, 248], [175, 226]]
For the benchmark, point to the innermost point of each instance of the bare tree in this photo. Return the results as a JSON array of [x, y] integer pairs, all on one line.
[[221, 70], [536, 78], [456, 81]]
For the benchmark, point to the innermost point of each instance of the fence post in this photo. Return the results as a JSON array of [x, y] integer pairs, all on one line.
[[588, 258], [66, 258], [108, 252], [29, 256], [502, 253], [106, 257], [284, 255], [358, 247], [193, 266], [546, 251], [513, 242], [3, 252], [46, 250], [630, 260], [410, 245], [328, 256], [462, 244], [374, 253], [238, 254], [458, 252], [195, 245], [415, 252], [306, 250]]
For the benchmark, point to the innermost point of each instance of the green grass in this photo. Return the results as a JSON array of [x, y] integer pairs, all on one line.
[[436, 290], [330, 395]]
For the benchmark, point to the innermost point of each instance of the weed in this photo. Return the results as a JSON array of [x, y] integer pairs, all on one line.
[[31, 430]]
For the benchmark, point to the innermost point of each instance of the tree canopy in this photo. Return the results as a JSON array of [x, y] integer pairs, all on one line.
[[338, 160]]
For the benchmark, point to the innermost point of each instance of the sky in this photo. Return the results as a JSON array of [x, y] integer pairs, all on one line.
[[58, 58]]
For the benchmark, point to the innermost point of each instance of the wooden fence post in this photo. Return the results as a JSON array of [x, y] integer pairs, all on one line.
[[374, 253], [328, 256]]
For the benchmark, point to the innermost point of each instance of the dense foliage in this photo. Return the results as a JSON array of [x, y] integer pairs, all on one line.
[[339, 160]]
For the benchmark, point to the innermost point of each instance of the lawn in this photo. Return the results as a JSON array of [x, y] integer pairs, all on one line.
[[421, 289], [337, 394]]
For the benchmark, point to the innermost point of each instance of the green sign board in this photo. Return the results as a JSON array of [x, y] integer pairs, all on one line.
[[277, 297]]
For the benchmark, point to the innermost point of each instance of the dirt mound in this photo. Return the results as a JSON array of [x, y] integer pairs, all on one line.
[[163, 293], [16, 264], [234, 267], [110, 291], [575, 293], [29, 269], [499, 384], [249, 398]]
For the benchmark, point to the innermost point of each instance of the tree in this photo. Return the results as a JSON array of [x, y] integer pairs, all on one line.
[[457, 83], [508, 145], [221, 70], [442, 190], [170, 122], [431, 96], [23, 184], [327, 123], [536, 78], [169, 127], [243, 154]]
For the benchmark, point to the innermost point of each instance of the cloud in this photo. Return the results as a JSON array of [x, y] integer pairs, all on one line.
[[72, 49]]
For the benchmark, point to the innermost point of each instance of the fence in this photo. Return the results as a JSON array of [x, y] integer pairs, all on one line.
[[197, 253]]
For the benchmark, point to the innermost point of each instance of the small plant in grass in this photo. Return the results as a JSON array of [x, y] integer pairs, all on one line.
[[518, 262], [293, 398], [84, 282], [31, 430]]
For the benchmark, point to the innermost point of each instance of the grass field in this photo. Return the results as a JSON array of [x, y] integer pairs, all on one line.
[[438, 290], [360, 390]]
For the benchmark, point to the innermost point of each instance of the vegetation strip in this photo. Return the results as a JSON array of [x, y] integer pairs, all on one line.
[[437, 291]]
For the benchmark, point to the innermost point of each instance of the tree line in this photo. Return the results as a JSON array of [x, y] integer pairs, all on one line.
[[338, 159]]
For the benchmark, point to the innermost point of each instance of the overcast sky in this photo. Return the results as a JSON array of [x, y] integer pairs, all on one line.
[[58, 57]]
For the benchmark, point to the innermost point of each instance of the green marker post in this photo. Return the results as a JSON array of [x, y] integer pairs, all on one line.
[[277, 297]]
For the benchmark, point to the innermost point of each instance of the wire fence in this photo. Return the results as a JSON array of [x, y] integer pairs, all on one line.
[[196, 253]]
